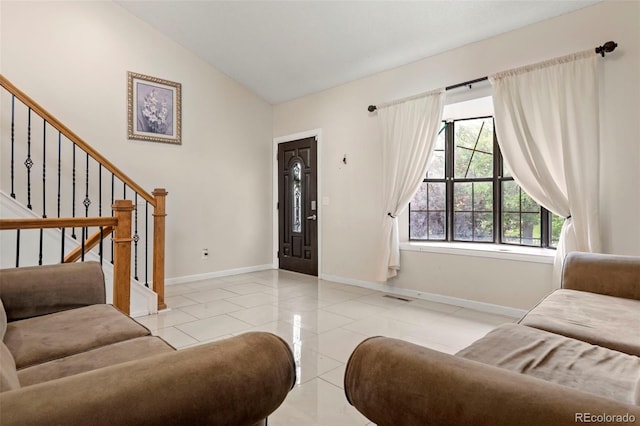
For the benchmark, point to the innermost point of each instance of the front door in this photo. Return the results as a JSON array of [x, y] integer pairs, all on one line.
[[298, 206]]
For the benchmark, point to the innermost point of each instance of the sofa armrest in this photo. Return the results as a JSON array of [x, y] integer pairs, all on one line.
[[39, 290], [237, 381], [393, 382], [612, 275]]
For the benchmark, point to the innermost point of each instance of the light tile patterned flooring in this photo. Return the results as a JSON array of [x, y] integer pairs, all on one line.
[[322, 321]]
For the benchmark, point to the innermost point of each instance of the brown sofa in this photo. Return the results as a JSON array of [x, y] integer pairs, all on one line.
[[68, 358], [572, 359]]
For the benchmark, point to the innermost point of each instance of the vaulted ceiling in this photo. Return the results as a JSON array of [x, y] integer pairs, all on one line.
[[282, 50]]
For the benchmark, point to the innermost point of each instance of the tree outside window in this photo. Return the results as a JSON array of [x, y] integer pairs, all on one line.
[[469, 195]]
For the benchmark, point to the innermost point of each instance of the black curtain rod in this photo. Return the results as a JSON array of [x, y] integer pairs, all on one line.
[[608, 47]]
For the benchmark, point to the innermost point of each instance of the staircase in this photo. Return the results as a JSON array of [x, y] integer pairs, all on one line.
[[50, 176]]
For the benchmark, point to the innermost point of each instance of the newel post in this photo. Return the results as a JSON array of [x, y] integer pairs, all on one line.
[[159, 214], [122, 255]]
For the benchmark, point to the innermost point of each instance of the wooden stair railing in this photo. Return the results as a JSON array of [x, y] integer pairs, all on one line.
[[156, 199], [120, 223], [92, 241]]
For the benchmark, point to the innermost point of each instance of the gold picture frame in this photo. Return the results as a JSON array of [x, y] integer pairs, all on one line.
[[154, 109]]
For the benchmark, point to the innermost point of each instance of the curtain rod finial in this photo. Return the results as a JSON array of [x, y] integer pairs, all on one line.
[[608, 47], [372, 108]]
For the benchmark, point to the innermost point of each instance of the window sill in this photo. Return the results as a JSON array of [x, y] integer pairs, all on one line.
[[494, 251]]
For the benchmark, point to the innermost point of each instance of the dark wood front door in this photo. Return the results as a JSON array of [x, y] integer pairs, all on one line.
[[298, 206]]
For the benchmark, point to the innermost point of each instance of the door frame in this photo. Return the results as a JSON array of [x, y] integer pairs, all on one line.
[[274, 190]]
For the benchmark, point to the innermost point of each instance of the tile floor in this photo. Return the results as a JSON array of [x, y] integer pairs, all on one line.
[[322, 321]]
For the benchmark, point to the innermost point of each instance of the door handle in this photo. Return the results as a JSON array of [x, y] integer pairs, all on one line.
[[312, 217]]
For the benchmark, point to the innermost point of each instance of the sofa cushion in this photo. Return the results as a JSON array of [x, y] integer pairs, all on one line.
[[31, 291], [8, 376], [36, 340], [561, 360], [612, 322], [104, 356]]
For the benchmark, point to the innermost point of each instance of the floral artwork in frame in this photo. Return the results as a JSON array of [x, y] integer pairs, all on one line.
[[154, 109]]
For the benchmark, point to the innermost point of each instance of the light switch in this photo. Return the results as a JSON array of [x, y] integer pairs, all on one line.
[[325, 201]]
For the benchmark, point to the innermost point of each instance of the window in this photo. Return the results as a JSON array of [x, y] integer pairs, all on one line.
[[469, 195], [296, 196]]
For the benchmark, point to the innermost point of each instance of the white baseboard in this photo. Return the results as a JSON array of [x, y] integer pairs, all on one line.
[[449, 300], [455, 301], [139, 313], [216, 274]]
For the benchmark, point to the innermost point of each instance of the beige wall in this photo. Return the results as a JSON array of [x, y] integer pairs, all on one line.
[[352, 219], [73, 58]]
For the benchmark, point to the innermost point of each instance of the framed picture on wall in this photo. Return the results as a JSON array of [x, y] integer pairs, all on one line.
[[154, 109]]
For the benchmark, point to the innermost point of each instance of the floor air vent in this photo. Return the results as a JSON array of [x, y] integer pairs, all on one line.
[[390, 296]]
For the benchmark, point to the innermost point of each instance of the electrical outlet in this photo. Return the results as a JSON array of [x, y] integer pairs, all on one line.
[[205, 253]]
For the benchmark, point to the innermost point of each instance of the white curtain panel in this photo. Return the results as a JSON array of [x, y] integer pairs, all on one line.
[[547, 124], [409, 131]]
